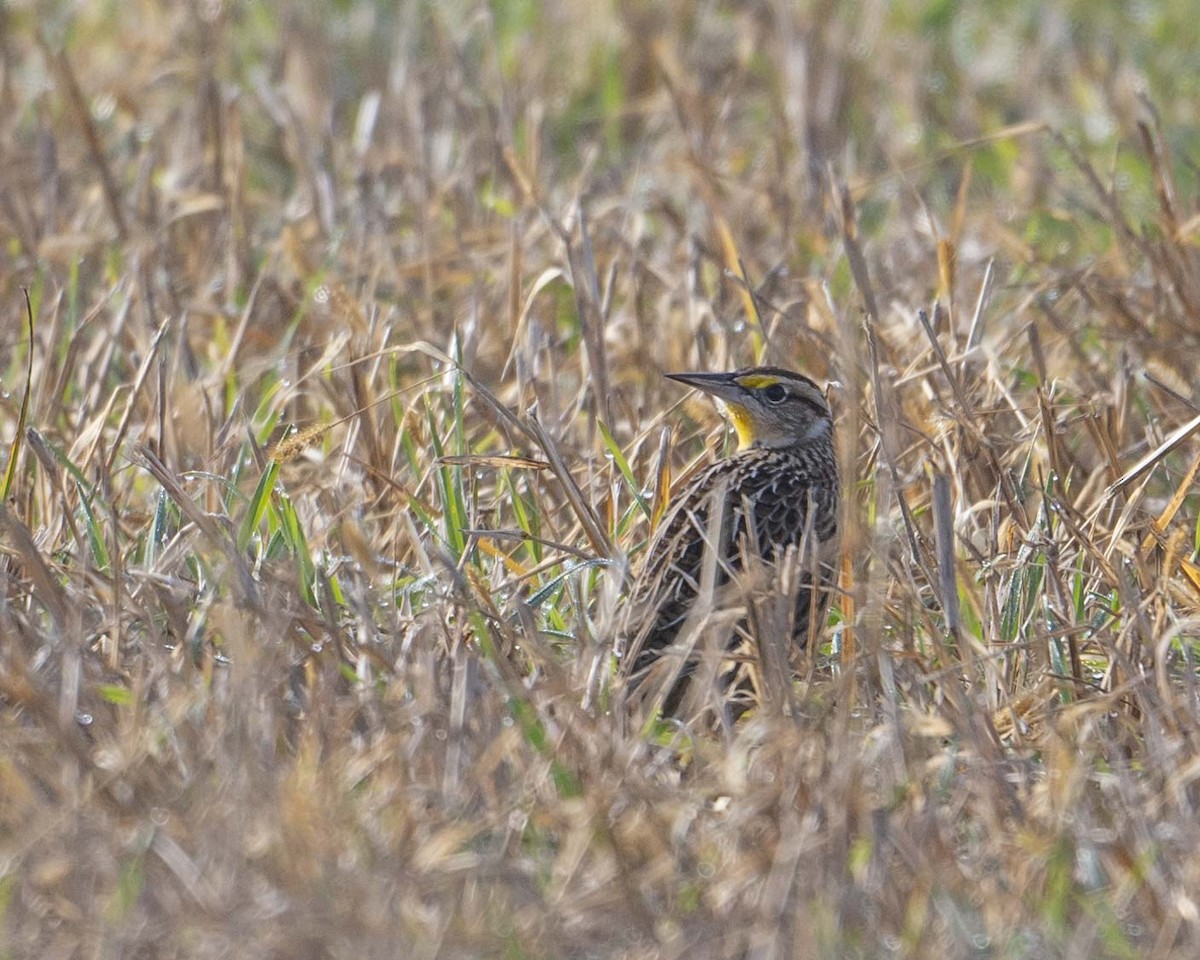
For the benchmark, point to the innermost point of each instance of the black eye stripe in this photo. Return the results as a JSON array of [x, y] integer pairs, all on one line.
[[818, 405]]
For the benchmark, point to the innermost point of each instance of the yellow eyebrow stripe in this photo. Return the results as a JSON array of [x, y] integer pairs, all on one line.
[[756, 381]]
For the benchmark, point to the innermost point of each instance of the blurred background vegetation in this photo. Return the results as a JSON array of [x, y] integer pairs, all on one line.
[[325, 701]]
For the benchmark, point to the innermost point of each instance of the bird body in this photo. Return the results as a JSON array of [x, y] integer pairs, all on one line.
[[779, 490]]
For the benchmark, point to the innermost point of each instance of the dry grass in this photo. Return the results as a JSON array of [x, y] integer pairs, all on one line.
[[329, 704]]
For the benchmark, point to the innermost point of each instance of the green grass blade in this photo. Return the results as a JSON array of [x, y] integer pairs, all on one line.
[[449, 480], [554, 583], [297, 543], [257, 506], [14, 451], [614, 450], [95, 534]]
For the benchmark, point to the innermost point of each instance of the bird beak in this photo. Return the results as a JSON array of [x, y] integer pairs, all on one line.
[[723, 386]]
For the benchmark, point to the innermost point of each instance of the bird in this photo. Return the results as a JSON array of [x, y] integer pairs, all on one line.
[[778, 490]]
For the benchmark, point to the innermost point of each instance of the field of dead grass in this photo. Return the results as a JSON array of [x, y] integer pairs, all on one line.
[[328, 699]]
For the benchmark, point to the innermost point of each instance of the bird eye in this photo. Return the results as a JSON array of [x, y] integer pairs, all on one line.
[[775, 393]]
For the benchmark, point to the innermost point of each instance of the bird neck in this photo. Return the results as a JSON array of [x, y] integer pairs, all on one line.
[[819, 435], [820, 430]]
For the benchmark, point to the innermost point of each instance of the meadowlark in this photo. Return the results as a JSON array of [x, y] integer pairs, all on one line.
[[771, 505]]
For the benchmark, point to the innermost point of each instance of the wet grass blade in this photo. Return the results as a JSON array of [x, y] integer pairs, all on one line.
[[554, 583]]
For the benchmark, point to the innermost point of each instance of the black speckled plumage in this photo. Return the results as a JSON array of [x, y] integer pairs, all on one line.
[[790, 494]]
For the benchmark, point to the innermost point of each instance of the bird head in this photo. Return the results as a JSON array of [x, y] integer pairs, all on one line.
[[768, 406]]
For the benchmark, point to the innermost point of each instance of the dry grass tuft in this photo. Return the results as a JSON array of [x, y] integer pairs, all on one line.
[[346, 693]]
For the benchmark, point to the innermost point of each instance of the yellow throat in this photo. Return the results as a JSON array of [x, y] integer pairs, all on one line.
[[739, 416]]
